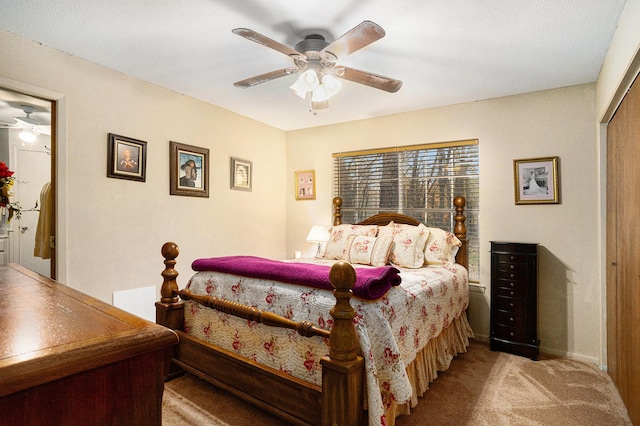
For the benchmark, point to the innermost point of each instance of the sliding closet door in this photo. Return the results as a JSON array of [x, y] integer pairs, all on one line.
[[623, 251]]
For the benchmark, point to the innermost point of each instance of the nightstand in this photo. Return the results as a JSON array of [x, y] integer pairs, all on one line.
[[514, 298]]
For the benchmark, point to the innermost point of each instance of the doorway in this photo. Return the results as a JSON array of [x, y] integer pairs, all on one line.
[[30, 157]]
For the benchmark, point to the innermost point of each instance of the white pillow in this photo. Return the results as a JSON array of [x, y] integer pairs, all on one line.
[[441, 247], [365, 250], [338, 238], [408, 244]]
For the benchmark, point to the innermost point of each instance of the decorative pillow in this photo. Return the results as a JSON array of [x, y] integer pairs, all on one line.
[[408, 244], [338, 238], [368, 250], [441, 247]]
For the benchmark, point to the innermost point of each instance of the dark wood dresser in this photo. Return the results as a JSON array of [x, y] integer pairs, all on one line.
[[514, 298], [69, 359]]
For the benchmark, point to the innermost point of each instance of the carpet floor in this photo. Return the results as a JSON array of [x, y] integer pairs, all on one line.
[[480, 388]]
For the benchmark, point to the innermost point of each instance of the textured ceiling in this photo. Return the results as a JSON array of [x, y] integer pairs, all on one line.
[[445, 52]]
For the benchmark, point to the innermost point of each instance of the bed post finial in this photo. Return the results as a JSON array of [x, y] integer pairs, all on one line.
[[460, 230], [337, 215], [343, 340], [343, 369], [169, 251]]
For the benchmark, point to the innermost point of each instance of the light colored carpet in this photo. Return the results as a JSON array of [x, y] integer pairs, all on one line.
[[480, 388]]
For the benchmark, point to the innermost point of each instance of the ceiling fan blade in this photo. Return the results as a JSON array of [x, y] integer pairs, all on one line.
[[266, 41], [45, 129], [360, 36], [26, 121], [370, 79], [262, 78]]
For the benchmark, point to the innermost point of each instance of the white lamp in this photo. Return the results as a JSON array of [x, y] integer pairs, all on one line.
[[319, 235]]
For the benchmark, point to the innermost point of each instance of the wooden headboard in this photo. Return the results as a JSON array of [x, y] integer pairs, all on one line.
[[382, 219]]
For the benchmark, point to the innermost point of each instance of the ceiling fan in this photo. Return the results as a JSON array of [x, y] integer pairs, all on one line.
[[316, 61], [30, 126]]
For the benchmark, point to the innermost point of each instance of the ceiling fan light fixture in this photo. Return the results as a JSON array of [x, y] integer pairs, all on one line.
[[318, 89], [319, 94], [308, 81], [315, 106], [331, 85], [27, 135]]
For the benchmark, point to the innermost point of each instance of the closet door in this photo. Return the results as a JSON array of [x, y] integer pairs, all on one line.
[[623, 251]]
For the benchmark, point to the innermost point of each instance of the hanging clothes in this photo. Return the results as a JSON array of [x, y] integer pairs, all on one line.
[[43, 231]]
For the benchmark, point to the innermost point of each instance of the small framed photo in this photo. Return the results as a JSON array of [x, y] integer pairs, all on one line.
[[127, 158], [241, 174], [188, 170], [306, 185], [536, 180]]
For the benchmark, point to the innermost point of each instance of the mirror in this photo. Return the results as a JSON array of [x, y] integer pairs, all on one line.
[[25, 148]]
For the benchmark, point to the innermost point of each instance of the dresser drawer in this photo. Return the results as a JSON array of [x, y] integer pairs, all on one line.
[[512, 258], [518, 290], [516, 271], [509, 304], [512, 319], [513, 334]]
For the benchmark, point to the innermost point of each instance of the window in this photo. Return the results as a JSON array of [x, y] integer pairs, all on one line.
[[419, 181]]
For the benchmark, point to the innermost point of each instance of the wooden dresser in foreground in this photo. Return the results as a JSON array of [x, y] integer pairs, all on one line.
[[69, 359], [514, 298]]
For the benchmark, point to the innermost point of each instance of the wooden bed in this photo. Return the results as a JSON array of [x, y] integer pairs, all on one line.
[[339, 400]]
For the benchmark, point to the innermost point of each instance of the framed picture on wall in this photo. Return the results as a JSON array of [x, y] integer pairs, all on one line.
[[305, 185], [127, 158], [188, 170], [241, 174], [536, 180]]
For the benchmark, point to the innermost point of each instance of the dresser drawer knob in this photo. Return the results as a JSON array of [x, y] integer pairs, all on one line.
[[511, 257], [511, 276], [511, 304], [511, 266], [511, 334], [512, 284], [511, 293], [511, 319]]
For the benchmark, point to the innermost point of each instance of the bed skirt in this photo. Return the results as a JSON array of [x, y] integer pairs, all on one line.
[[435, 356]]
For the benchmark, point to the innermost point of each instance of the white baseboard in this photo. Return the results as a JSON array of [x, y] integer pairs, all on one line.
[[564, 354], [572, 355]]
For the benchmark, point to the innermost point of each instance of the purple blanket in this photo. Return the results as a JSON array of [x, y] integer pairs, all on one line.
[[371, 283]]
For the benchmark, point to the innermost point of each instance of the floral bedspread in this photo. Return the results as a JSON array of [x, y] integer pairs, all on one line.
[[391, 330]]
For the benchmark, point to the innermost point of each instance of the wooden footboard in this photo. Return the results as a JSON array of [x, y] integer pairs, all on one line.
[[338, 402]]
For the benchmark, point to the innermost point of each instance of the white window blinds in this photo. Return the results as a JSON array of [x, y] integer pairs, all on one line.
[[419, 181]]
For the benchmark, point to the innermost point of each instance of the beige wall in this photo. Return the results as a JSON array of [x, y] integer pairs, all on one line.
[[549, 123], [111, 230]]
